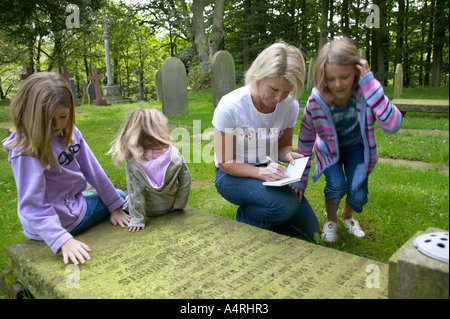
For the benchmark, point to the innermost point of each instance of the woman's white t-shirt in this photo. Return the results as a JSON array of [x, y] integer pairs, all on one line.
[[256, 133]]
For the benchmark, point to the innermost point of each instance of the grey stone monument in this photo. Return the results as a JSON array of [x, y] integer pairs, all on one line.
[[91, 93], [223, 75], [174, 87], [158, 85], [310, 79], [398, 81]]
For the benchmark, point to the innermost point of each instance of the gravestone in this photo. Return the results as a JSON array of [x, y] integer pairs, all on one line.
[[98, 94], [310, 80], [413, 274], [398, 81], [158, 85], [223, 75], [362, 54], [174, 87], [193, 254], [73, 88], [91, 93], [28, 72]]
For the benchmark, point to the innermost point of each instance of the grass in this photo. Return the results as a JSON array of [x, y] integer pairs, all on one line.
[[402, 200]]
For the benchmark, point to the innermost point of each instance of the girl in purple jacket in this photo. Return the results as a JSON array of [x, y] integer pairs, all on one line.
[[52, 164], [338, 122]]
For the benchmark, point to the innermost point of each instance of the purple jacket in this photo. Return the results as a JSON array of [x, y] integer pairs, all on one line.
[[50, 202], [317, 129]]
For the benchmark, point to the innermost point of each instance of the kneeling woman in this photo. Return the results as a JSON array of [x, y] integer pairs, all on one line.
[[253, 125]]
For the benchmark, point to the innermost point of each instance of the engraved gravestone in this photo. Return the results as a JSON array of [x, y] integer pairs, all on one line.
[[174, 87], [310, 80], [223, 75], [193, 254], [158, 85], [398, 81], [91, 91]]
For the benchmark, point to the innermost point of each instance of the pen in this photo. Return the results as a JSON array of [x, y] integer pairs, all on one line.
[[271, 160]]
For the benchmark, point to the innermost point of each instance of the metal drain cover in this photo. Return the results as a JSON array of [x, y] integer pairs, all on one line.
[[434, 245]]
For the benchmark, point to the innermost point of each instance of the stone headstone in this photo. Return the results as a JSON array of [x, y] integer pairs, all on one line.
[[74, 89], [192, 254], [398, 81], [91, 91], [28, 72], [310, 79], [362, 53], [223, 75], [415, 275], [174, 87], [158, 85], [98, 93]]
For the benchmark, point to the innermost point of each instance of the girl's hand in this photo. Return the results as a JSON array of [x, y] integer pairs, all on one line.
[[76, 251], [119, 217], [299, 192], [134, 229], [363, 67]]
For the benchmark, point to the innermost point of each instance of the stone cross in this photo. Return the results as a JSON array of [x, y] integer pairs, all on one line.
[[139, 73], [98, 94], [28, 72], [106, 23], [66, 74]]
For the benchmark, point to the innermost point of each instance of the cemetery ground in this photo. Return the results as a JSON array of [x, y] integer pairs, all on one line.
[[403, 199]]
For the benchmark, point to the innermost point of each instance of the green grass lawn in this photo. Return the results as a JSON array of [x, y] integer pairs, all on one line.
[[402, 200]]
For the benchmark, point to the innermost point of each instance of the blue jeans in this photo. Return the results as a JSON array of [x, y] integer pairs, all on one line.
[[96, 211], [339, 177], [273, 208]]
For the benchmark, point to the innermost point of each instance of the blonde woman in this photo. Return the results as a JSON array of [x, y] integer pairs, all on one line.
[[158, 179], [338, 123], [52, 164], [253, 131]]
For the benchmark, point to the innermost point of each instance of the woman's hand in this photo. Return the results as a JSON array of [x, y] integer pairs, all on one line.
[[290, 157], [76, 251], [299, 192], [273, 172]]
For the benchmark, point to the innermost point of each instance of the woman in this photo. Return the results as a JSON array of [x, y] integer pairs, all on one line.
[[253, 127]]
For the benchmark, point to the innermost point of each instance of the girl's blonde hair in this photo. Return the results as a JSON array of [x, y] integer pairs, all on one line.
[[337, 52], [144, 129], [32, 111], [280, 60]]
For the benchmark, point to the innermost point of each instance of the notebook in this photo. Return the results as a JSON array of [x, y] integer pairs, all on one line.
[[293, 174]]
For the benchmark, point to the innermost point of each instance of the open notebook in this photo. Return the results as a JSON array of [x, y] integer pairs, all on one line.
[[293, 174]]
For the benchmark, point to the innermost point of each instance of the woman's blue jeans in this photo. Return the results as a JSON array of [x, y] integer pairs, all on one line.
[[274, 208], [339, 177], [96, 211]]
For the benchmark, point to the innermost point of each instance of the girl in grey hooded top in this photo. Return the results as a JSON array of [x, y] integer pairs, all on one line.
[[158, 179]]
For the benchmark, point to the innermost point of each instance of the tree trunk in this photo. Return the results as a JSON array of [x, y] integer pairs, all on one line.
[[438, 43], [217, 34], [323, 24]]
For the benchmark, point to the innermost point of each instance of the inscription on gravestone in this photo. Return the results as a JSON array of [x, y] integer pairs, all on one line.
[[193, 254], [223, 76], [174, 87]]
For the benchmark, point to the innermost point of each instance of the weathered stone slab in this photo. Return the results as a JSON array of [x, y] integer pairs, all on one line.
[[174, 87], [223, 75], [193, 254], [413, 275]]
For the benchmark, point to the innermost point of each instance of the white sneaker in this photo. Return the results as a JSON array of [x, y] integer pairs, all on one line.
[[353, 227], [329, 232]]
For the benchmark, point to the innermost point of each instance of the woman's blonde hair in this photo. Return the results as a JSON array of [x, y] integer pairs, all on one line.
[[32, 111], [280, 60], [144, 129], [337, 52]]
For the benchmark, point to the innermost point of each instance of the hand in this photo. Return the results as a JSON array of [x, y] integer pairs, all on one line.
[[299, 192], [291, 156], [119, 217], [272, 172], [76, 251], [363, 67], [134, 229]]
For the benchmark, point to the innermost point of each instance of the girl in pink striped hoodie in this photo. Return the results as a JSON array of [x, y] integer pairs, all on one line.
[[338, 122]]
